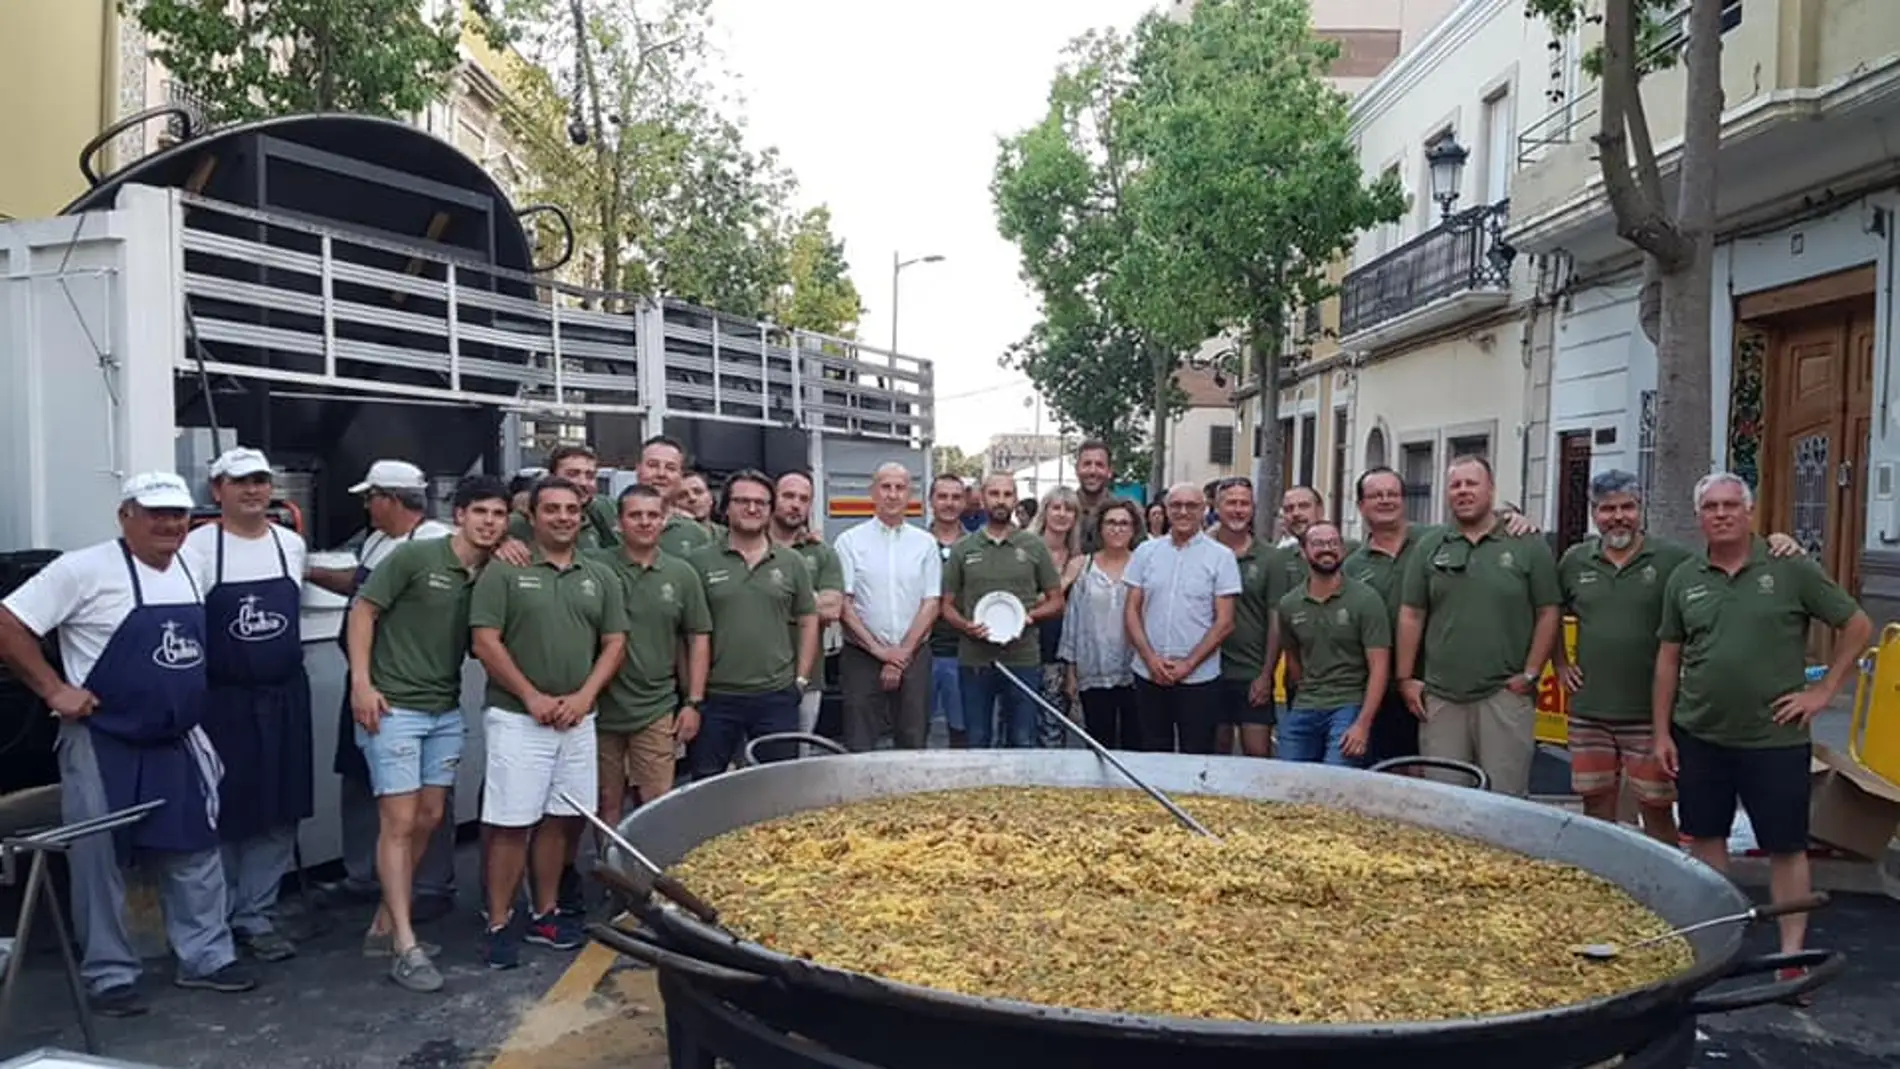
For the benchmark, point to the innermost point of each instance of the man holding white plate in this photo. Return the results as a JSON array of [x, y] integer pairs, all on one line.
[[1003, 564]]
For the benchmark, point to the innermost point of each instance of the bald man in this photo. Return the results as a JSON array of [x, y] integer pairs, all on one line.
[[1181, 592]]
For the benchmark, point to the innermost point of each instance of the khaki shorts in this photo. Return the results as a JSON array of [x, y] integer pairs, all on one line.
[[642, 758], [1496, 733]]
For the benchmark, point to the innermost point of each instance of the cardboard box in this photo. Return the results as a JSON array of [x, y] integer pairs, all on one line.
[[1850, 808]]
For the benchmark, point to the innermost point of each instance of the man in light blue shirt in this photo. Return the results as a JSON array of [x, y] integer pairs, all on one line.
[[1180, 608]]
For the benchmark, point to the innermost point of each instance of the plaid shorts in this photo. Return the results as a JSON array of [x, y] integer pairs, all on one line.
[[1602, 750]]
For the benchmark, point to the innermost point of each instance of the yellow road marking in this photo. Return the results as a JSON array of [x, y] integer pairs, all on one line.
[[561, 1013]]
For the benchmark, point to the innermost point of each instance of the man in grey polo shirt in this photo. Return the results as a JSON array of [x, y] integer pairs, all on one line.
[[1181, 592]]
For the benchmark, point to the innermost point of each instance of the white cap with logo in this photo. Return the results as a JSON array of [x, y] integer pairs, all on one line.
[[391, 475], [239, 463], [157, 490]]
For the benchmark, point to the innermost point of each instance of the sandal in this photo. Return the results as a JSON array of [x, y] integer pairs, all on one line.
[[1802, 1000]]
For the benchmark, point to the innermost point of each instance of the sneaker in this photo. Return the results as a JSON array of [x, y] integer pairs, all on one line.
[[383, 945], [501, 947], [555, 930], [121, 1000], [233, 979], [267, 946], [413, 971]]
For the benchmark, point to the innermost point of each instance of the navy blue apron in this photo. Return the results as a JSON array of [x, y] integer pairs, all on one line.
[[150, 682], [349, 761], [257, 707]]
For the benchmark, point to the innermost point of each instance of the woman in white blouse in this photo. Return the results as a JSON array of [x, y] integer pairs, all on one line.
[[1094, 646]]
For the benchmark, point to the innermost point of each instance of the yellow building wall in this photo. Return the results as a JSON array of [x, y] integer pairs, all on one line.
[[59, 75]]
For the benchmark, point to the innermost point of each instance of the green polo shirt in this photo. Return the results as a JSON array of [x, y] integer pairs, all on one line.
[[421, 593], [1333, 635], [665, 603], [1481, 601], [1385, 572], [1263, 582], [944, 639], [1020, 564], [1618, 612], [600, 526], [752, 648], [551, 621], [1744, 642], [1293, 562], [683, 536]]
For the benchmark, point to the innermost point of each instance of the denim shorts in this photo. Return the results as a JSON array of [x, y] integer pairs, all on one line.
[[412, 750]]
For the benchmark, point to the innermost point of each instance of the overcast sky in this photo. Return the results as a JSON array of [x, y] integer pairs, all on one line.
[[889, 111]]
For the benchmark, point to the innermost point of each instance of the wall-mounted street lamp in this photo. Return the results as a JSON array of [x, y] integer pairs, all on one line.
[[1446, 159]]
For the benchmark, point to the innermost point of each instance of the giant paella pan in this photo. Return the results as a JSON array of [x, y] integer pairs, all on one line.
[[808, 988]]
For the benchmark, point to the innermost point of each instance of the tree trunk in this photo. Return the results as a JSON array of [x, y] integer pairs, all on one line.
[[1162, 364], [1263, 348], [1684, 390]]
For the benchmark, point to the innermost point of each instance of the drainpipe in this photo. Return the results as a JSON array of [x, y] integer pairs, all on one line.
[[1528, 355], [109, 72]]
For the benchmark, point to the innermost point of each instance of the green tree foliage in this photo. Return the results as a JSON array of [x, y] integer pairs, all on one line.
[[1250, 185], [666, 193], [949, 460], [1063, 192], [1676, 240], [251, 59]]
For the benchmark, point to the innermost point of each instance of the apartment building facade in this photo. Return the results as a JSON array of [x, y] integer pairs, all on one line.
[[1803, 326]]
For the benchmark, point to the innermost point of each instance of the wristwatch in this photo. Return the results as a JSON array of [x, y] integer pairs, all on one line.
[[803, 683], [1530, 680], [692, 703]]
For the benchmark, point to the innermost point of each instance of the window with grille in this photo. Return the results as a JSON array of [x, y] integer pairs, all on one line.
[[1220, 445], [1420, 470]]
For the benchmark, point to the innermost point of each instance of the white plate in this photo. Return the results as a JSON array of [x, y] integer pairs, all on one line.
[[1003, 614]]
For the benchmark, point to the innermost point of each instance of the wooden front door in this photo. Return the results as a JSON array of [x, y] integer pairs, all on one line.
[[1820, 409], [1573, 488]]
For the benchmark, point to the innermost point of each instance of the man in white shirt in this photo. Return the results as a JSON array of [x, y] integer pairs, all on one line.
[[893, 579], [257, 709], [395, 494], [1181, 592], [131, 627]]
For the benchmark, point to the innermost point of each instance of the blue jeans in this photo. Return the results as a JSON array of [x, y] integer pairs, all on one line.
[[946, 697], [728, 721], [412, 750], [1315, 734], [985, 694]]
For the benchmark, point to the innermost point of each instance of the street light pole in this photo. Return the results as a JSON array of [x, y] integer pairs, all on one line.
[[897, 269]]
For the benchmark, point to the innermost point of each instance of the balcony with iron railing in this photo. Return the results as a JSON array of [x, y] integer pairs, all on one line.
[[1457, 269]]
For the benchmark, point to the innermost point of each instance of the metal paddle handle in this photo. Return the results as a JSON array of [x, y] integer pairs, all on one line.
[[663, 883], [1103, 752], [1759, 913]]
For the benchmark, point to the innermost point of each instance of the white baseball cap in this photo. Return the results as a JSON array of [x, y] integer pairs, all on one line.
[[157, 490], [239, 463], [391, 475]]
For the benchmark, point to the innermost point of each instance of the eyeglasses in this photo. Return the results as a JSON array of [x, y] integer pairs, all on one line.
[[1116, 523], [749, 503]]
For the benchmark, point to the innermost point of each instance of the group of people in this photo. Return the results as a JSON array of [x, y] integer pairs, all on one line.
[[630, 641]]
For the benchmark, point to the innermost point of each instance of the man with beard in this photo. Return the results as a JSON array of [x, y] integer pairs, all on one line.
[[1481, 613], [1613, 584], [550, 635], [1180, 608], [1000, 557], [257, 707], [947, 495], [1731, 701], [791, 528], [1338, 643], [764, 631], [1094, 469], [408, 637], [1246, 681]]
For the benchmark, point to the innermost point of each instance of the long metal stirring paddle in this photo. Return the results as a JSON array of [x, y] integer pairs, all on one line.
[[1103, 752], [662, 882]]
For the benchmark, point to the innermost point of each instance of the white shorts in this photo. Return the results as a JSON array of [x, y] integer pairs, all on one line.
[[529, 762]]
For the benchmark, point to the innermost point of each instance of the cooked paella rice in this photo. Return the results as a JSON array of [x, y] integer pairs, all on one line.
[[1096, 899]]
